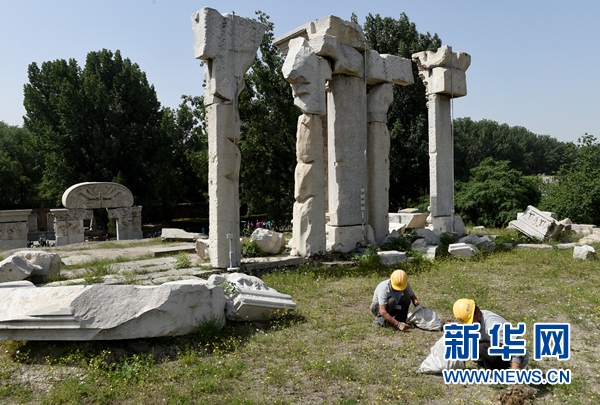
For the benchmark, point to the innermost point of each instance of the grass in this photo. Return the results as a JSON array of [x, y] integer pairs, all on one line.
[[326, 351]]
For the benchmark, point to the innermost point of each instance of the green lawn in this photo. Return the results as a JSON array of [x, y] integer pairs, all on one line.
[[326, 352]]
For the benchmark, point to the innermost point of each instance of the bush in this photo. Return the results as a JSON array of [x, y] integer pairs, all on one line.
[[577, 193], [495, 194]]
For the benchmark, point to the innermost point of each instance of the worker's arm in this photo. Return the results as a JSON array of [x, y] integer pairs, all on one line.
[[383, 312], [515, 366], [414, 300]]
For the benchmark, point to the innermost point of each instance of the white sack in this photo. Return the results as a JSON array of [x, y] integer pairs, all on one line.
[[424, 318], [435, 363]]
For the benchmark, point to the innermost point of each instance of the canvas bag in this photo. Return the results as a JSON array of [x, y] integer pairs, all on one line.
[[424, 318], [435, 363]]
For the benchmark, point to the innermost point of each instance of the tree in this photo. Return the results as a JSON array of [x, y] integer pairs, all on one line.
[[19, 168], [98, 121], [576, 195], [268, 141], [407, 116], [494, 194]]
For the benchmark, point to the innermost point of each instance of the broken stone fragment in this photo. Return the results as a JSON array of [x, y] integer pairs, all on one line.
[[391, 257], [462, 250], [16, 268], [268, 241], [584, 252], [49, 262]]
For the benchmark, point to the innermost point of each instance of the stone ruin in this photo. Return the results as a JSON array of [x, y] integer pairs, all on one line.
[[342, 176], [14, 227], [80, 199]]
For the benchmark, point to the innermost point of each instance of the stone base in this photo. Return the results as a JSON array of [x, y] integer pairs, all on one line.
[[441, 224], [344, 239], [13, 244], [68, 240]]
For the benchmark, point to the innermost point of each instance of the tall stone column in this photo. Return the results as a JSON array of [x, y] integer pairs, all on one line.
[[443, 73], [378, 150], [228, 45], [307, 74]]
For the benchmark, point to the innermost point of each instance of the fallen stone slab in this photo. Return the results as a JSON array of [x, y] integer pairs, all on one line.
[[399, 228], [268, 241], [462, 250], [15, 268], [538, 224], [591, 238], [49, 262], [582, 229], [566, 246], [17, 284], [76, 260], [533, 246], [430, 252], [479, 228], [431, 237], [413, 221], [391, 257], [173, 250], [271, 262], [409, 211], [179, 235], [584, 252], [419, 244], [109, 312], [596, 231], [251, 299], [567, 225], [481, 242]]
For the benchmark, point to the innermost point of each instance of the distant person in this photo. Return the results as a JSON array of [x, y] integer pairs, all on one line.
[[391, 300], [29, 244], [106, 238], [42, 240]]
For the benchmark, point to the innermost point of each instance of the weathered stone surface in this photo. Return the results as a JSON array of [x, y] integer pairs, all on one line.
[[344, 239], [388, 69], [309, 139], [17, 284], [108, 312], [49, 262], [76, 259], [213, 34], [409, 211], [451, 82], [14, 229], [459, 226], [430, 252], [16, 268], [68, 223], [582, 229], [346, 145], [346, 32], [412, 221], [171, 250], [483, 243], [346, 59], [309, 234], [565, 246], [379, 100], [268, 241], [462, 250], [175, 234], [584, 252], [431, 237], [419, 244], [443, 71], [93, 195], [400, 228], [536, 224], [128, 222], [533, 246], [307, 73], [253, 300], [202, 248], [591, 238], [378, 147], [391, 257]]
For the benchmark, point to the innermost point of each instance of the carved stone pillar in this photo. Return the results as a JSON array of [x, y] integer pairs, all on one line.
[[213, 37], [68, 225], [128, 221], [13, 229]]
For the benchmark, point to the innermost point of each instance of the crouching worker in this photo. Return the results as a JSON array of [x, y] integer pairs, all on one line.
[[391, 300], [466, 312]]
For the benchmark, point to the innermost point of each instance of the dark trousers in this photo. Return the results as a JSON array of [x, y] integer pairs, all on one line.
[[398, 314], [491, 362]]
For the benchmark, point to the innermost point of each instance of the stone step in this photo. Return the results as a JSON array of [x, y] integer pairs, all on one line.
[[261, 263], [172, 250]]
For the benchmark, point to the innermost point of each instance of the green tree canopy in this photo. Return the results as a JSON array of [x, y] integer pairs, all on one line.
[[95, 122], [577, 193], [494, 194]]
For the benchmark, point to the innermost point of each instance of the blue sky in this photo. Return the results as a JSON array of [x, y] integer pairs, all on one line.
[[534, 64]]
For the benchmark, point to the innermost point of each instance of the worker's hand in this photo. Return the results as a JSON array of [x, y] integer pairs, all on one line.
[[402, 327], [416, 302]]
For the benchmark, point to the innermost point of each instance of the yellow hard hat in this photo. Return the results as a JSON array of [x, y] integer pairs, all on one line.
[[399, 280], [464, 309]]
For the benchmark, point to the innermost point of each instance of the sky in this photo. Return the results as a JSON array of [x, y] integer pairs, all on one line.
[[534, 64]]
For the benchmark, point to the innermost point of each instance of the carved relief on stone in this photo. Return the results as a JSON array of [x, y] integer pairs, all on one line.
[[13, 231], [97, 195], [119, 213]]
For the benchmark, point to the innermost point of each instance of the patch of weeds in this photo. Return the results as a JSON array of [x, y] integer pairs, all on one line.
[[251, 250], [56, 277], [369, 259], [183, 261], [229, 288], [96, 271]]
